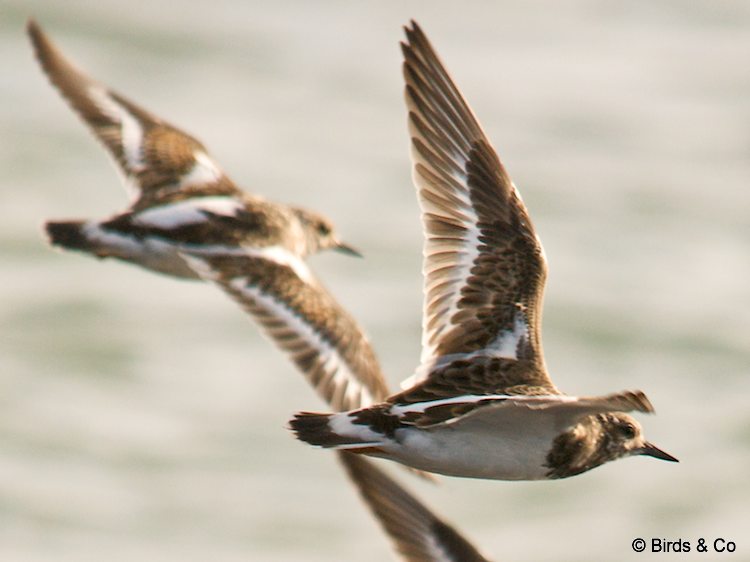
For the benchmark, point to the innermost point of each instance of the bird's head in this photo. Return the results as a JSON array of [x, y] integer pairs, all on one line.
[[622, 436], [320, 234]]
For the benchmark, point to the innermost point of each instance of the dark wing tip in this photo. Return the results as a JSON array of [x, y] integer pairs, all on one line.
[[641, 402], [32, 27], [44, 49], [416, 37], [405, 47], [39, 39], [453, 543], [417, 533], [60, 71], [412, 29]]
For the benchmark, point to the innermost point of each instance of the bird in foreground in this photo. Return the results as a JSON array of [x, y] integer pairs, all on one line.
[[293, 307], [481, 404], [180, 197]]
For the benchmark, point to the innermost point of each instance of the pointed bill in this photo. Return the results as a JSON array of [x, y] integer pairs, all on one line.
[[348, 250], [484, 267], [157, 161], [651, 450]]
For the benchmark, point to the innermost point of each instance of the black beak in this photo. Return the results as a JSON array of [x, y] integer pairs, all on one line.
[[347, 249], [652, 451]]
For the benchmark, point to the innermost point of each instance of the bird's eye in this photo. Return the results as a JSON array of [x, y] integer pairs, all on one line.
[[323, 229], [628, 430]]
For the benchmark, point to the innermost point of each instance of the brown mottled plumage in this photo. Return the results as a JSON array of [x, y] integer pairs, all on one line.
[[494, 375], [303, 319], [481, 404], [180, 197], [271, 283], [165, 153]]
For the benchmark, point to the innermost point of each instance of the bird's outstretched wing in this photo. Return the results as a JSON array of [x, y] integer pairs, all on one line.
[[158, 162], [303, 319], [417, 533], [484, 267]]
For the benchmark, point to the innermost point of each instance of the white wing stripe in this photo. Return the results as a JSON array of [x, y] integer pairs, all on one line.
[[283, 256], [204, 171], [276, 254], [329, 358], [191, 211], [341, 425], [124, 244], [450, 204], [420, 407], [131, 131], [506, 343], [463, 262]]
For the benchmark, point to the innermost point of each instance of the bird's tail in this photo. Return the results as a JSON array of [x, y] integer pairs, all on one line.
[[69, 235], [335, 431]]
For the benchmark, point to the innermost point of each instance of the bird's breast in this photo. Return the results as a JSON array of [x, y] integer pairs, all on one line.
[[477, 450]]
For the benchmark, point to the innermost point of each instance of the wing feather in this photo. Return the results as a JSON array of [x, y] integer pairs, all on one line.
[[484, 267], [158, 161], [304, 320], [564, 411], [417, 533]]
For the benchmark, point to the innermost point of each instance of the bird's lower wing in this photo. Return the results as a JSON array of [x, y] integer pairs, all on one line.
[[417, 533]]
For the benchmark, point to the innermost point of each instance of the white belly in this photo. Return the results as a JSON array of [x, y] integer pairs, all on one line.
[[149, 252], [498, 446]]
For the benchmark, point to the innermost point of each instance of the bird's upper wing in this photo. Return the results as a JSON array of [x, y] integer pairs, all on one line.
[[158, 161], [484, 267], [417, 533], [302, 318], [506, 410]]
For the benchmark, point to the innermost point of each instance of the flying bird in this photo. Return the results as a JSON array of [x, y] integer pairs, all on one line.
[[188, 220], [180, 197], [481, 404]]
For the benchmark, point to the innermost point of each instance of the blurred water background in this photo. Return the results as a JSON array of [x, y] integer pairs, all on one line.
[[142, 418]]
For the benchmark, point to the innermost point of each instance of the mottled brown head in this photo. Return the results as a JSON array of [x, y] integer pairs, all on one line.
[[597, 440], [624, 437], [320, 234]]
